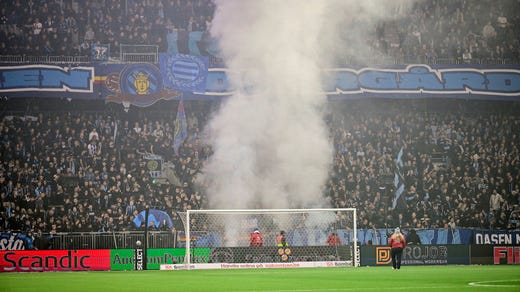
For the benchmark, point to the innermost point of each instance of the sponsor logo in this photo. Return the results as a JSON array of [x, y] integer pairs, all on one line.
[[139, 259], [415, 255], [497, 238], [509, 253], [55, 260], [383, 256]]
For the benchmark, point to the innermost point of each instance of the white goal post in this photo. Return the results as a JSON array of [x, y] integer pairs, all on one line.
[[314, 238]]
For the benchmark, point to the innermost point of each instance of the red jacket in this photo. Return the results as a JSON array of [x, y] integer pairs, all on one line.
[[256, 239], [397, 241]]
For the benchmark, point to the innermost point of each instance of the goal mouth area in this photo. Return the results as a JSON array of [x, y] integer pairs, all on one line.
[[289, 238]]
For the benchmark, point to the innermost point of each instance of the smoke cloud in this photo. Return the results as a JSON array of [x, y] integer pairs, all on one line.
[[271, 144]]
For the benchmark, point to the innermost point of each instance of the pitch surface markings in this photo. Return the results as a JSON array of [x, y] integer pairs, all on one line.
[[483, 283]]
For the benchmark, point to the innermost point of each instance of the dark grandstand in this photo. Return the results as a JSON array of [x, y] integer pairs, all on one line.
[[78, 166]]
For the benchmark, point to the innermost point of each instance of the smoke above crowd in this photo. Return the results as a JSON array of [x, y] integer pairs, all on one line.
[[272, 148]]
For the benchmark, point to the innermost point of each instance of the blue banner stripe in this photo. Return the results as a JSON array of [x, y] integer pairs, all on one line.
[[185, 72], [183, 78], [186, 65]]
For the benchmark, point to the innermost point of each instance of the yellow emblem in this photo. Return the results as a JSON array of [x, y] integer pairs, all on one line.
[[141, 83]]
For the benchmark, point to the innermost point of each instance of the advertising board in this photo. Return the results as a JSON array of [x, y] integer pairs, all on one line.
[[417, 255], [54, 260]]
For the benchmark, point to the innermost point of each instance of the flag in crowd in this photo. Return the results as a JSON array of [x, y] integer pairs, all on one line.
[[180, 127], [398, 178]]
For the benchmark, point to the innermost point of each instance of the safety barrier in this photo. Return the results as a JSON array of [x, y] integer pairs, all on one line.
[[107, 240]]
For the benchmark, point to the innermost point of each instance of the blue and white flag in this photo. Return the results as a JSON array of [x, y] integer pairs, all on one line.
[[398, 179], [398, 194], [184, 73], [400, 158], [180, 131]]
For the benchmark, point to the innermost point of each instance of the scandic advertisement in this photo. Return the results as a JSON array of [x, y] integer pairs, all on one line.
[[54, 260], [91, 260], [122, 259]]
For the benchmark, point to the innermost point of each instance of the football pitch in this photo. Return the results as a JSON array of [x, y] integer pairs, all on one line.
[[411, 278]]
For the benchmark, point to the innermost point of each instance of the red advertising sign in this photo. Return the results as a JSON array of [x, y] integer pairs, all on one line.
[[54, 260], [510, 253]]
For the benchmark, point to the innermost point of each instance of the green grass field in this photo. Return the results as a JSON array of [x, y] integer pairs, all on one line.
[[418, 278]]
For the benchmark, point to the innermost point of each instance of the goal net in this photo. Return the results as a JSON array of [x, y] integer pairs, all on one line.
[[269, 238]]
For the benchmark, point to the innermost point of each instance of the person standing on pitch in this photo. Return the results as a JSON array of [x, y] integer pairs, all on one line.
[[333, 239], [256, 238], [397, 244]]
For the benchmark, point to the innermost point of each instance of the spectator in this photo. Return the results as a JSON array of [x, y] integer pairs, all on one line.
[[495, 204], [413, 238]]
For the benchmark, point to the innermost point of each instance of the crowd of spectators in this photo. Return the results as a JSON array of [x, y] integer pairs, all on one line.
[[459, 170], [440, 30], [461, 30], [69, 28], [83, 172], [77, 172]]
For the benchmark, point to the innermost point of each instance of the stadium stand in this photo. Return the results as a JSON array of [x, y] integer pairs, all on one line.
[[63, 169], [78, 171], [442, 31]]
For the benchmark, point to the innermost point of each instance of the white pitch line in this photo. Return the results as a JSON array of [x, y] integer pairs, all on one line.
[[482, 283], [358, 289]]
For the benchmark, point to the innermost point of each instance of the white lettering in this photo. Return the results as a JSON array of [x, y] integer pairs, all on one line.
[[479, 239]]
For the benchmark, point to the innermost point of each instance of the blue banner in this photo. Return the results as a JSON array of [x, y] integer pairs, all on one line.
[[379, 237], [412, 81], [143, 84], [46, 78], [185, 73], [15, 241], [159, 218], [496, 237], [139, 84]]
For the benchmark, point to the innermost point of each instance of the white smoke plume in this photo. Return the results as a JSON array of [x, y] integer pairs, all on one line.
[[271, 144]]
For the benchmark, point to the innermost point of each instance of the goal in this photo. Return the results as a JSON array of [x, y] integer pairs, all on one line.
[[220, 239]]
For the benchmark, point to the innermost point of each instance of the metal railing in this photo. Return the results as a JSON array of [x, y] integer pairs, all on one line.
[[108, 240], [388, 60], [17, 59], [150, 54], [139, 53]]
